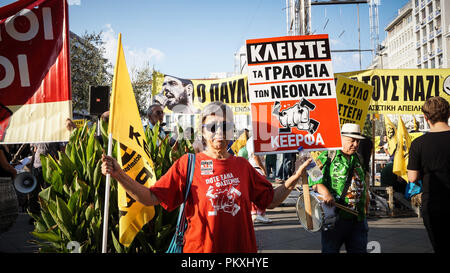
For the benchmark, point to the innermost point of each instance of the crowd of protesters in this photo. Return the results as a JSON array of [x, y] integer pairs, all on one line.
[[262, 182]]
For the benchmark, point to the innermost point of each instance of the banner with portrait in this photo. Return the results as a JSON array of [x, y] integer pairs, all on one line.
[[292, 94], [35, 92], [189, 96], [403, 91]]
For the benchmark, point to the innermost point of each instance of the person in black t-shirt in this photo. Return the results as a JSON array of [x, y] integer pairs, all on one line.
[[429, 160]]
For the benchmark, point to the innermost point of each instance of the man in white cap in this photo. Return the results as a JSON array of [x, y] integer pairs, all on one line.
[[343, 182]]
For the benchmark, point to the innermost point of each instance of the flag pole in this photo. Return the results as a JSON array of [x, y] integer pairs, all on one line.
[[110, 143], [106, 207]]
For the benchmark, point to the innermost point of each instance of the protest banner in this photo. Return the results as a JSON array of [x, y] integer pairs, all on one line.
[[403, 91], [134, 154], [189, 96], [292, 94], [35, 91], [353, 100], [79, 122]]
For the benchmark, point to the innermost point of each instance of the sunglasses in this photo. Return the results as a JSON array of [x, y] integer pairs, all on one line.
[[214, 126]]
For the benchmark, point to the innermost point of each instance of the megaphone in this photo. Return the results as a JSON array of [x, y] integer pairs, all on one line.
[[25, 182]]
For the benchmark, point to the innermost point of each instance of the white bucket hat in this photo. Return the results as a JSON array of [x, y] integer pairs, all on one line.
[[351, 130]]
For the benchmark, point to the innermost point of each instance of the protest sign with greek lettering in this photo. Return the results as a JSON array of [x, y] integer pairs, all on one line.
[[353, 100], [292, 94], [403, 91]]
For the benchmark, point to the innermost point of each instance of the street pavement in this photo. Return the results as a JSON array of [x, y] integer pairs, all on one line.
[[283, 235], [386, 234]]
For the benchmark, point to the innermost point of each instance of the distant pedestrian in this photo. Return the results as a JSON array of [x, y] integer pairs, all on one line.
[[155, 115], [271, 164], [258, 214], [50, 148]]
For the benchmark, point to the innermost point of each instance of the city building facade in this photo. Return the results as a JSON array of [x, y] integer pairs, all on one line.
[[419, 37], [432, 31]]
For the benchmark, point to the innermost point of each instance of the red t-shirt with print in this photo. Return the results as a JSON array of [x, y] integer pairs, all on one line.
[[219, 203]]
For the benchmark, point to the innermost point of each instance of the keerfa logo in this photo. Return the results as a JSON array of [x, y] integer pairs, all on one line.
[[447, 85]]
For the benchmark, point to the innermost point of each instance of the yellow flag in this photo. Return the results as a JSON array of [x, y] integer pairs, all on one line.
[[391, 134], [134, 156], [239, 143], [401, 154]]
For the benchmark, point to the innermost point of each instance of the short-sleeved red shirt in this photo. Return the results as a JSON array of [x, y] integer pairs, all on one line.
[[219, 203]]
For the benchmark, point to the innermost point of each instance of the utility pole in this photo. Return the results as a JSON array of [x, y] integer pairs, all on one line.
[[298, 17]]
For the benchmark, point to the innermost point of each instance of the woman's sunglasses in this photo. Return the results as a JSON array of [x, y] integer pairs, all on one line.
[[214, 126]]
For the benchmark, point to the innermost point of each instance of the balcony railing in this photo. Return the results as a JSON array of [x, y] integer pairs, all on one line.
[[430, 18], [431, 35], [424, 40], [438, 31], [417, 27], [439, 50], [437, 12], [425, 58], [417, 44]]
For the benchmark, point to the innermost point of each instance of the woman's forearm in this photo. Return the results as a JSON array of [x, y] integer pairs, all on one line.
[[282, 192], [137, 191]]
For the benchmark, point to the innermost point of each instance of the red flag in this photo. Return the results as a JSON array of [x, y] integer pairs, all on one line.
[[35, 89]]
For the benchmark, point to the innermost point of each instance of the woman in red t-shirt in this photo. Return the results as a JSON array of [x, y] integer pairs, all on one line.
[[222, 191]]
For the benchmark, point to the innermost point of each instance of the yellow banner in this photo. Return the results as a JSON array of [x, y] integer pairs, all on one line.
[[126, 127], [353, 100], [403, 91], [189, 96], [79, 122]]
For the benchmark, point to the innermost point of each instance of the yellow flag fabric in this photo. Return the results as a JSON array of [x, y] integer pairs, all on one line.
[[391, 134], [414, 135], [401, 154], [134, 158], [239, 143]]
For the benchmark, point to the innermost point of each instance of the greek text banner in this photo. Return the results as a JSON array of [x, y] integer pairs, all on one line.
[[353, 100], [189, 96], [292, 94], [403, 91], [34, 72]]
